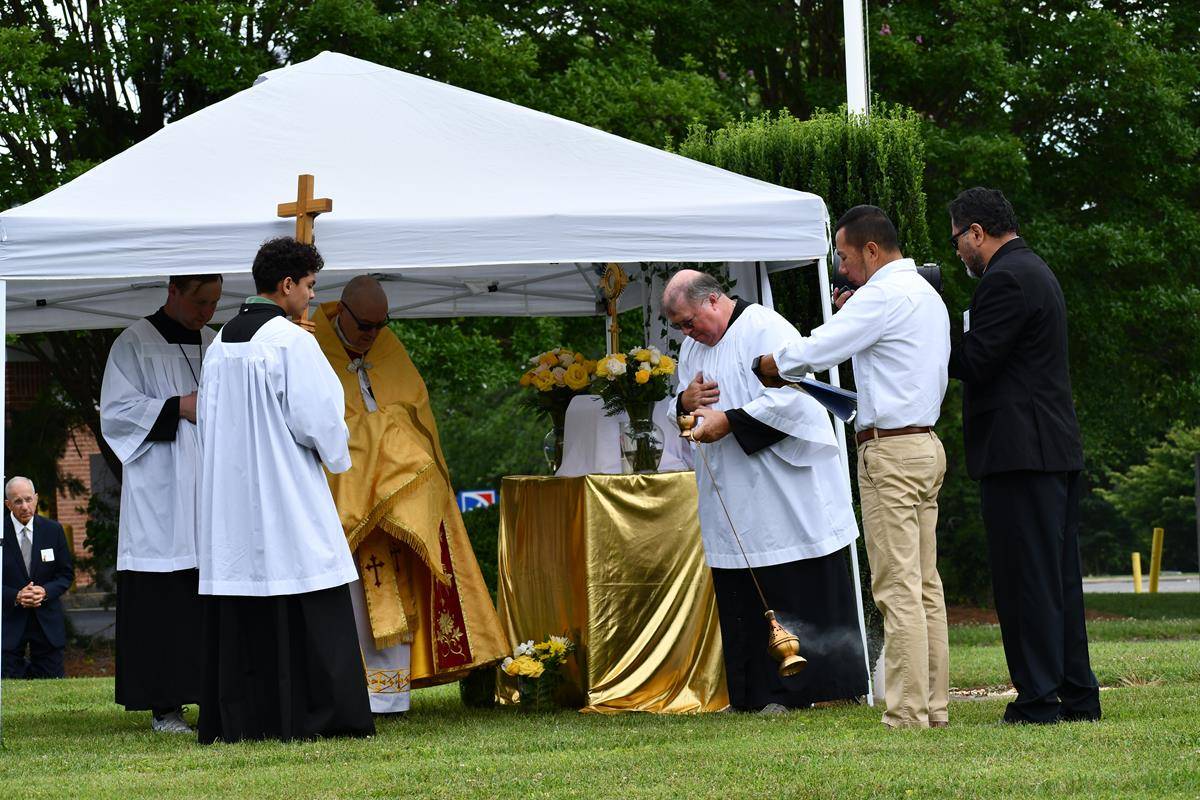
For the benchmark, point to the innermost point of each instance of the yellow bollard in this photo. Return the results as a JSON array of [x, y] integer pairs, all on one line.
[[1137, 573], [1155, 559]]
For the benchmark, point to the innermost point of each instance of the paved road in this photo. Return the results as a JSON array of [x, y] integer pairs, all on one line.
[[1166, 583]]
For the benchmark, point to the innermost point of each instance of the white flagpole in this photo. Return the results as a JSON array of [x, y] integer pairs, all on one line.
[[840, 429], [856, 103], [856, 56]]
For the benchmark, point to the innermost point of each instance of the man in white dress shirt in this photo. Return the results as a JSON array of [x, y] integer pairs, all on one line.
[[895, 329]]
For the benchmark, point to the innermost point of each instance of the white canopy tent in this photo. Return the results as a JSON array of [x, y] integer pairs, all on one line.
[[469, 204], [462, 204]]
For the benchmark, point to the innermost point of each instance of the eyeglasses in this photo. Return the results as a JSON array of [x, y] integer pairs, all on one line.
[[954, 238], [685, 325], [366, 326], [689, 323]]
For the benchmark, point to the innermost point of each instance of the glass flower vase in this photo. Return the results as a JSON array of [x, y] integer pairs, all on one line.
[[641, 439], [552, 443]]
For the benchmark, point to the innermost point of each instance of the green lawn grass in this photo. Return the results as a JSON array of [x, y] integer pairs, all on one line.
[[1168, 605], [65, 739]]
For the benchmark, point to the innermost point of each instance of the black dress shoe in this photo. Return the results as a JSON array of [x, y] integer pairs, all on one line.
[[1014, 720], [1080, 716]]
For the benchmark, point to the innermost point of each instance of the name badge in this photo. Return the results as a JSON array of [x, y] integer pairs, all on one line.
[[48, 554], [967, 320]]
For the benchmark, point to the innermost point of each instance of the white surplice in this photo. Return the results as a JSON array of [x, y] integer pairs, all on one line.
[[271, 411], [789, 501], [157, 528]]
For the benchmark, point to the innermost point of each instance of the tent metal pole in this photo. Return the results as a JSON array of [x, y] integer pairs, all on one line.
[[500, 287], [574, 298], [4, 479], [32, 303], [840, 428]]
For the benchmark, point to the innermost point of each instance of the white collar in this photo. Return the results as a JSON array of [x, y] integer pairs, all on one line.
[[899, 265], [17, 526]]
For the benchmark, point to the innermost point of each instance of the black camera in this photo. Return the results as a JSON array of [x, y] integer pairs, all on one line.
[[932, 273]]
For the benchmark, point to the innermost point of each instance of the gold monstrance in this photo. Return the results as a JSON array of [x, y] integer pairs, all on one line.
[[612, 283], [782, 644], [305, 209]]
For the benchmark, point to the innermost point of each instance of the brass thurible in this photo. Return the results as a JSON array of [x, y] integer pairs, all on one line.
[[782, 644], [784, 647]]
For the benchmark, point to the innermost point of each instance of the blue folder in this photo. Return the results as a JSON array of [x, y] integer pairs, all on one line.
[[841, 403]]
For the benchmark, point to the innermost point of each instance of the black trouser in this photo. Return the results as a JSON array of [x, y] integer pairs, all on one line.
[[45, 660], [1032, 521]]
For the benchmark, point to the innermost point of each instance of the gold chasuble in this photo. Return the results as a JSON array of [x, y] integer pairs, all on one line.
[[398, 511]]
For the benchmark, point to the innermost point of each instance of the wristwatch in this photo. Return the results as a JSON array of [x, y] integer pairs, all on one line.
[[755, 365]]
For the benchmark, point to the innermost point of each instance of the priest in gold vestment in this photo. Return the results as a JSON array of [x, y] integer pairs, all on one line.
[[423, 612]]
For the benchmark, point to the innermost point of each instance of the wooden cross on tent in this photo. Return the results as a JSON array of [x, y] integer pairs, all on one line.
[[305, 210]]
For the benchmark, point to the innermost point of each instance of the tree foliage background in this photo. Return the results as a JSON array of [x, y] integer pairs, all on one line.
[[1085, 113]]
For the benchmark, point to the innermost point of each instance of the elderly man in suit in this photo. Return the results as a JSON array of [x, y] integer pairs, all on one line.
[[37, 570], [1023, 446]]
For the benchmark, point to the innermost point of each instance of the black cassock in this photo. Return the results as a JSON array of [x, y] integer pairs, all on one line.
[[158, 613], [283, 667], [813, 597]]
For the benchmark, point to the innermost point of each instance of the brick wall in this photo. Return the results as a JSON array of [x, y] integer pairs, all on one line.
[[76, 461], [22, 382]]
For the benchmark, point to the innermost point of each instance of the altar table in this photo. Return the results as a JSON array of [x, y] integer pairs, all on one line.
[[616, 563]]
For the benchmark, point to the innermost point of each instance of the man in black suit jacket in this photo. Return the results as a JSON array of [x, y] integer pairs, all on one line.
[[1023, 446], [37, 570]]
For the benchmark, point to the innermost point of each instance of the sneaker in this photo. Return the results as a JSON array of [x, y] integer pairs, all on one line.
[[170, 723]]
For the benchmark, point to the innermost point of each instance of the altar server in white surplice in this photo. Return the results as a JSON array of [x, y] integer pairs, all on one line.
[[776, 464], [280, 649], [148, 418]]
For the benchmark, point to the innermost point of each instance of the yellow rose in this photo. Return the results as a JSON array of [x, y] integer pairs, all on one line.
[[619, 357], [590, 366], [641, 376], [576, 377], [549, 359], [666, 366], [641, 354], [526, 378], [601, 368], [528, 666], [544, 381]]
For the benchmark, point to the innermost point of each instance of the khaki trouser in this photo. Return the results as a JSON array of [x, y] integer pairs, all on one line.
[[899, 478]]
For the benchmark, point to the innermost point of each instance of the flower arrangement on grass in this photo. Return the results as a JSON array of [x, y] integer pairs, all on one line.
[[538, 669]]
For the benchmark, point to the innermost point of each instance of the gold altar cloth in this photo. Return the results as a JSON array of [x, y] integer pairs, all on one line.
[[616, 563]]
